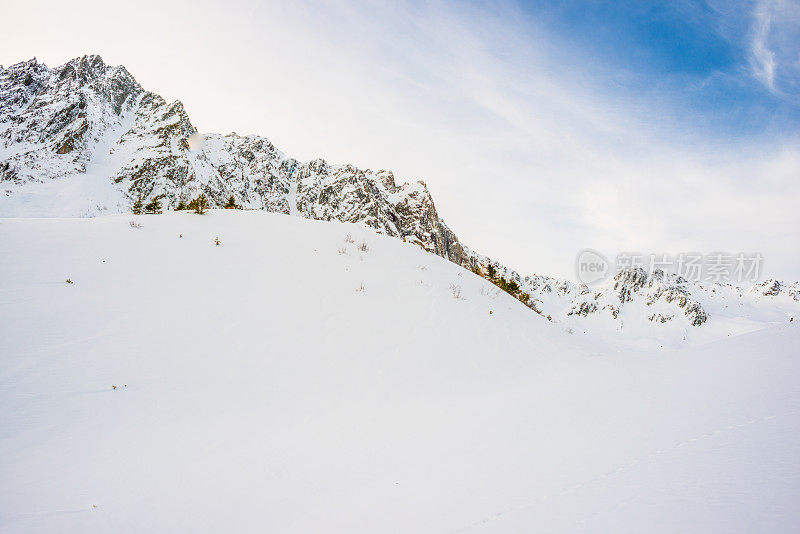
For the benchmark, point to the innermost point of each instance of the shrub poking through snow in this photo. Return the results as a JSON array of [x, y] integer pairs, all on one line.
[[490, 292], [348, 238], [217, 241], [361, 287], [231, 204], [133, 224], [153, 207], [138, 206], [70, 281], [456, 290], [199, 204], [342, 250], [509, 286], [363, 247], [491, 272]]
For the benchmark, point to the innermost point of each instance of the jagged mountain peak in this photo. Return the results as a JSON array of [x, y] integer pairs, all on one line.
[[84, 68]]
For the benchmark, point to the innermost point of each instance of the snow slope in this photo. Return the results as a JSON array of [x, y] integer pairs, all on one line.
[[259, 389]]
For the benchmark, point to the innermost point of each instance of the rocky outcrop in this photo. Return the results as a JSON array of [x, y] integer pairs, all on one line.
[[671, 294]]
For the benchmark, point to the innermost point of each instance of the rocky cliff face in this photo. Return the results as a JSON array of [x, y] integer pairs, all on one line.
[[89, 119], [55, 122], [52, 119]]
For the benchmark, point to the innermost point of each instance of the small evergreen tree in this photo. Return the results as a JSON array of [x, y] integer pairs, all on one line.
[[512, 287], [491, 271], [231, 204], [200, 204], [501, 283], [181, 206], [137, 206], [154, 206], [509, 286]]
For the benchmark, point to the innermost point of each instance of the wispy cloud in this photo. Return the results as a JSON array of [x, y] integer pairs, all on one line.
[[775, 47], [762, 59]]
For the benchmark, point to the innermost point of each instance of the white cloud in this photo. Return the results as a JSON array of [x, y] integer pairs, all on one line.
[[775, 46], [762, 58]]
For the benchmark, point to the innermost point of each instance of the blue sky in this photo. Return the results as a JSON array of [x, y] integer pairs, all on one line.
[[698, 53], [541, 128]]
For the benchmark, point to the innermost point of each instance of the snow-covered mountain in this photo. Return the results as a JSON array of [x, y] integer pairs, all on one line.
[[88, 118], [85, 138]]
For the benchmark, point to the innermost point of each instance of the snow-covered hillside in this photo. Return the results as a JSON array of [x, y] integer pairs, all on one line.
[[86, 139], [286, 380]]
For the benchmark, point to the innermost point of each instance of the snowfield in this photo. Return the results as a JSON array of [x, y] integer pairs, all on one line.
[[286, 381]]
